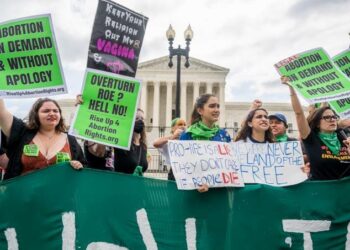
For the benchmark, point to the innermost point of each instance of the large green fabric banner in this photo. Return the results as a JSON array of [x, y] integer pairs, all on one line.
[[60, 208]]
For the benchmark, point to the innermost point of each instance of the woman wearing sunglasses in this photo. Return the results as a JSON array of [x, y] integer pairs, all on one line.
[[327, 149]]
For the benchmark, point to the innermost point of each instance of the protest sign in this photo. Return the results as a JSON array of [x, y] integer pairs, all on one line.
[[276, 164], [29, 61], [60, 208], [108, 112], [342, 106], [220, 164], [116, 39], [314, 75], [195, 163]]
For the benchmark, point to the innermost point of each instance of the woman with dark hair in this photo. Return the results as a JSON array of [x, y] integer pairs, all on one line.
[[255, 127], [326, 147], [124, 161], [205, 114], [40, 142]]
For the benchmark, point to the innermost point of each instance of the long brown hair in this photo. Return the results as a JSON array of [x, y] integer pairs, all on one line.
[[33, 117], [246, 130], [200, 102]]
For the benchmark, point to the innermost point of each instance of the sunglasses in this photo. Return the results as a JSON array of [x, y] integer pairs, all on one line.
[[329, 118]]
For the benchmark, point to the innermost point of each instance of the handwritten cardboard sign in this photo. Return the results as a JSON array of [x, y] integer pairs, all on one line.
[[220, 164], [276, 164], [195, 163]]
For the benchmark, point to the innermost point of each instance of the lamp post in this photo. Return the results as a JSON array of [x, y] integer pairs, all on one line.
[[170, 34]]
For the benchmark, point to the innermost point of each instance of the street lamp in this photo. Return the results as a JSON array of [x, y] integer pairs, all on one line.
[[170, 34]]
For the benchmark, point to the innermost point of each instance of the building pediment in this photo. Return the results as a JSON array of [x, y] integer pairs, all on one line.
[[161, 64]]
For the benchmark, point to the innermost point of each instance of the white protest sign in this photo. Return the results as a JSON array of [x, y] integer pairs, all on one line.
[[203, 162], [275, 164], [220, 164]]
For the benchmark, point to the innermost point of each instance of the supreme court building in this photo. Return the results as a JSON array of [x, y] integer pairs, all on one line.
[[159, 88], [158, 96]]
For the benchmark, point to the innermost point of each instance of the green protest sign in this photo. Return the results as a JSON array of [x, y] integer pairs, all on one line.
[[61, 208], [29, 60], [109, 109], [314, 75], [342, 106]]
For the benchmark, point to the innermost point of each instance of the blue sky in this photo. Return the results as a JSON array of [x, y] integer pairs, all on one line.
[[246, 36]]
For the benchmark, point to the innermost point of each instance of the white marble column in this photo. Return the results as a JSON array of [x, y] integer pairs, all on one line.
[[183, 99], [156, 104], [143, 102], [169, 103], [195, 91], [222, 104], [209, 89]]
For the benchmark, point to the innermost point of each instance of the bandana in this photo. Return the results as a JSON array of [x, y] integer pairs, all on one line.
[[199, 131], [281, 138], [331, 141]]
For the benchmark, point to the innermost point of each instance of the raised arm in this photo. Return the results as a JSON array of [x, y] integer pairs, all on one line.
[[255, 105], [6, 119], [158, 143], [303, 126]]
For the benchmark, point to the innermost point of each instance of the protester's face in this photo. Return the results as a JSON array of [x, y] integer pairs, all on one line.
[[139, 122], [260, 121], [49, 115], [140, 116], [328, 122], [180, 124], [277, 127], [211, 111]]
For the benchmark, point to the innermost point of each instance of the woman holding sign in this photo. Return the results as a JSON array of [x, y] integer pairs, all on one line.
[[256, 127], [205, 114], [41, 141], [133, 161], [178, 126], [326, 147]]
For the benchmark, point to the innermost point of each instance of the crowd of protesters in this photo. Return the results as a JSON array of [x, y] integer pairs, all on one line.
[[42, 140]]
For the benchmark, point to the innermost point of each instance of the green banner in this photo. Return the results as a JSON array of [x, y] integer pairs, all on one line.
[[342, 106], [108, 113], [29, 59], [314, 75], [61, 208]]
